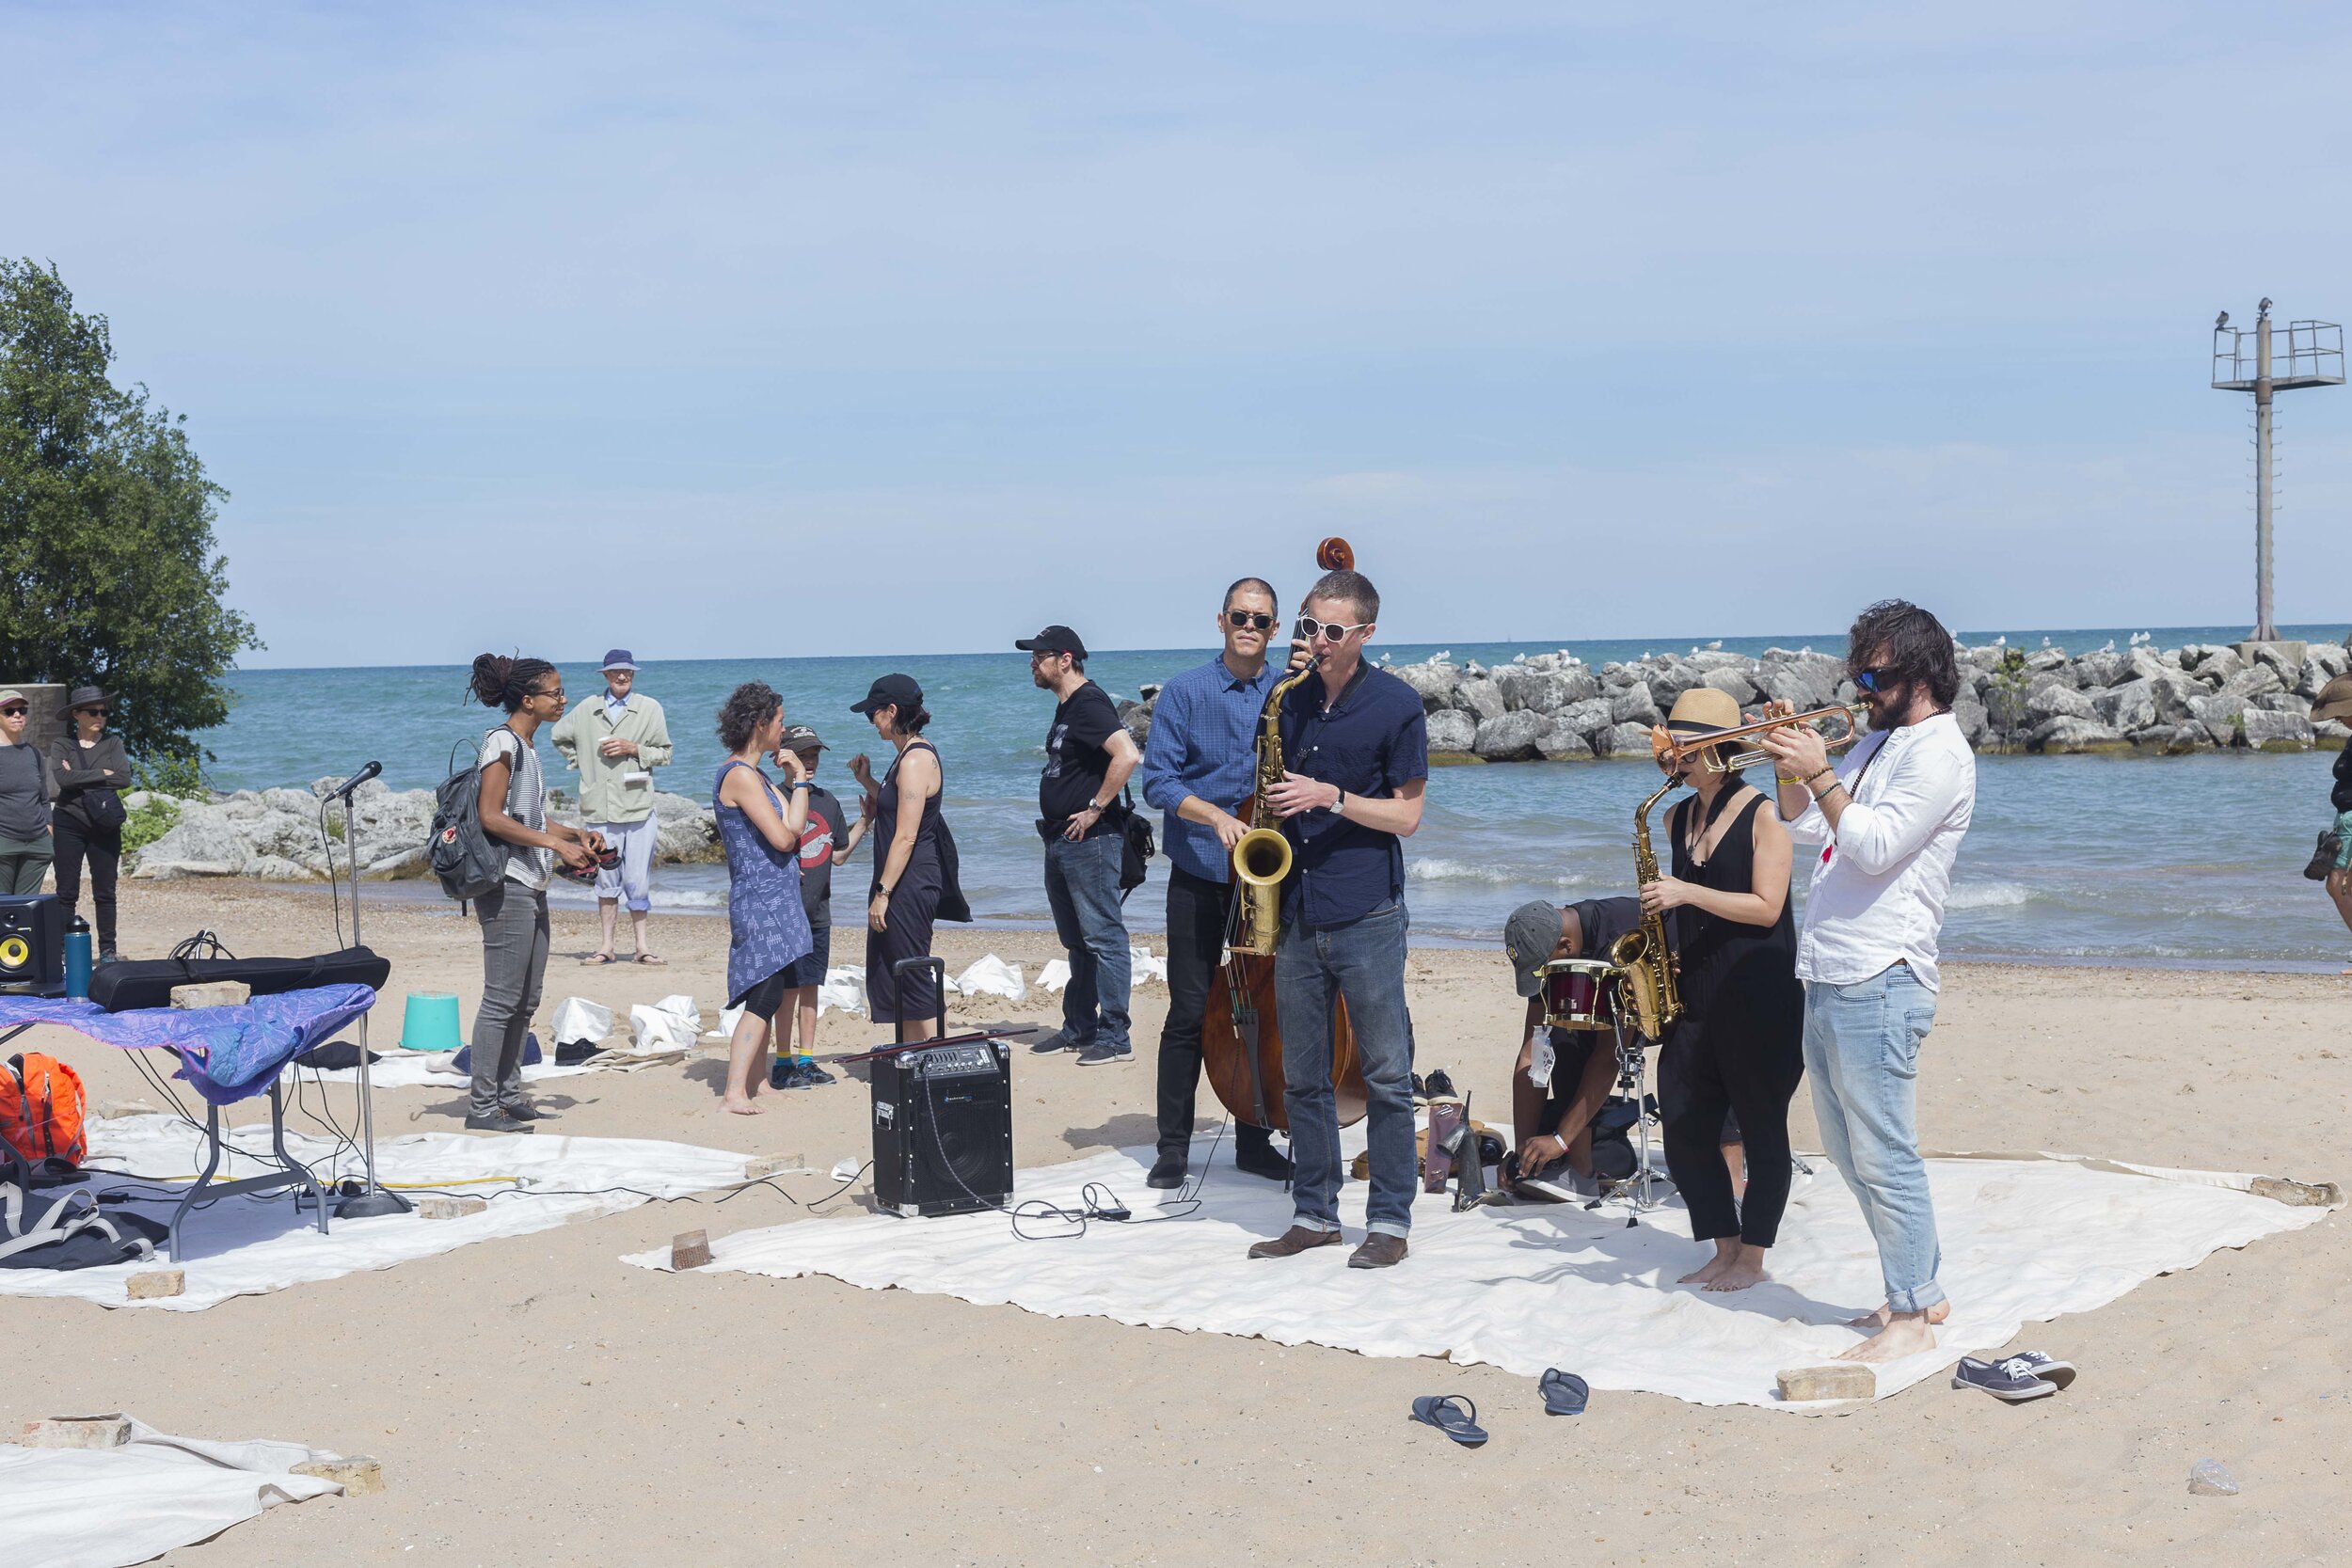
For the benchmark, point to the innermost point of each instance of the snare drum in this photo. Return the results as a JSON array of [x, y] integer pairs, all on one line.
[[1579, 993]]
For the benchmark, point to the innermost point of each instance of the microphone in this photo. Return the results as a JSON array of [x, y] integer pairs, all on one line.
[[343, 791]]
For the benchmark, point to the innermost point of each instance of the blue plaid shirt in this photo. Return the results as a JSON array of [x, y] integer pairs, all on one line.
[[1205, 742]]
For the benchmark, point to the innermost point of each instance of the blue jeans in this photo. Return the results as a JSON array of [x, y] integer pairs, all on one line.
[[1082, 885], [1362, 962], [1862, 1052]]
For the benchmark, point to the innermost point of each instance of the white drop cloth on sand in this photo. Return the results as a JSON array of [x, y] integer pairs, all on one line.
[[2025, 1238], [408, 1069], [107, 1508], [251, 1245]]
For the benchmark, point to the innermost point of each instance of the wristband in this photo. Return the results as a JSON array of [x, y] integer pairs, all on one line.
[[1785, 778]]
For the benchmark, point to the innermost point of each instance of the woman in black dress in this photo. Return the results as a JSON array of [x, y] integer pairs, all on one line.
[[1739, 1044], [907, 873]]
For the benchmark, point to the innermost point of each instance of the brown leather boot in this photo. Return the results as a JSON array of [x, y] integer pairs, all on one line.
[[1298, 1238], [1379, 1251]]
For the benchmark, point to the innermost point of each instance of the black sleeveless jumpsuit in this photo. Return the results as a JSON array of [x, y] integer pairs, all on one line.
[[1739, 1044]]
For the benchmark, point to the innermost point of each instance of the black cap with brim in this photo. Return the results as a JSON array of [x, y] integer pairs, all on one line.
[[800, 738], [889, 691], [1530, 937], [1053, 640]]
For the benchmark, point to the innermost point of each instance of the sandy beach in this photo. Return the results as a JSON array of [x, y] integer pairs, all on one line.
[[534, 1400]]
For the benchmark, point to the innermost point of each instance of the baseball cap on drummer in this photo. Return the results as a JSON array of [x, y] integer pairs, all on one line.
[[888, 690], [1053, 640], [1531, 936]]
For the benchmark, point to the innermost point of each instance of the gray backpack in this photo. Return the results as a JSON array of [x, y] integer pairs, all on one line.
[[469, 860]]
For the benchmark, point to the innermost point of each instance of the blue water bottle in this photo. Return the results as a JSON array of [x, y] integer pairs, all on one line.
[[77, 960]]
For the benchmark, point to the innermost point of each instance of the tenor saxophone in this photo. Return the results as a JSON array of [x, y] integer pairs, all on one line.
[[1261, 856], [1641, 954]]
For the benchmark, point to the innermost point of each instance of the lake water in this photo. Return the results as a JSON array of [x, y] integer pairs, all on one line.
[[2113, 859]]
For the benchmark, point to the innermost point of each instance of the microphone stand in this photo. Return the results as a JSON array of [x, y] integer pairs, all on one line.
[[371, 1199]]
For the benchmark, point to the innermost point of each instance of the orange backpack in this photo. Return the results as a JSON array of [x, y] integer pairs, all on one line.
[[41, 1109]]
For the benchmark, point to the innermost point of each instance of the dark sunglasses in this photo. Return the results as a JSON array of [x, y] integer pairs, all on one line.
[[93, 712], [1876, 679], [1248, 619], [1331, 631], [14, 708]]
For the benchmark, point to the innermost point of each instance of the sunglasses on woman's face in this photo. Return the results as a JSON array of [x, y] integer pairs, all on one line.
[[12, 712], [1329, 631], [1248, 619], [92, 712]]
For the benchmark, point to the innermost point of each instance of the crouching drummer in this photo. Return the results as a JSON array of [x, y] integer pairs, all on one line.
[[1553, 1119]]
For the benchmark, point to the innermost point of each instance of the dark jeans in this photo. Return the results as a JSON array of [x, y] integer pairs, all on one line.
[[1197, 909], [1363, 962], [102, 847], [1082, 886]]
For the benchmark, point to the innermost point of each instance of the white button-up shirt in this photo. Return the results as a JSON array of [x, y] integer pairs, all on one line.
[[1880, 882]]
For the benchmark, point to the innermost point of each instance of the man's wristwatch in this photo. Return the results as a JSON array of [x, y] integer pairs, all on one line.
[[1339, 805]]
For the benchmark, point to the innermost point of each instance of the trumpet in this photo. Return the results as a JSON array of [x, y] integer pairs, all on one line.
[[1672, 750]]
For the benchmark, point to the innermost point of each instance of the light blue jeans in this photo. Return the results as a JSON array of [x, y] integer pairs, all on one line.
[[1861, 1053], [1362, 961], [1082, 889]]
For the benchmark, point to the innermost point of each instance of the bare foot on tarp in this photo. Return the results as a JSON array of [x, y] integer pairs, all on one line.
[[1738, 1274], [1703, 1277], [742, 1107], [1907, 1335], [1885, 1314]]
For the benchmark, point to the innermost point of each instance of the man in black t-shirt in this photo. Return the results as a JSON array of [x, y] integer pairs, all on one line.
[[1089, 754]]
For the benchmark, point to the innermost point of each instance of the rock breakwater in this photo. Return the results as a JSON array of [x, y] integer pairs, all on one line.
[[1553, 706]]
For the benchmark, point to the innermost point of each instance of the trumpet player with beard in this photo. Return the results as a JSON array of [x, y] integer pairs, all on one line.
[[1887, 819], [1200, 766]]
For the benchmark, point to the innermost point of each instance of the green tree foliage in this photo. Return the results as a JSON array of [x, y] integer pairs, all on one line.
[[108, 569]]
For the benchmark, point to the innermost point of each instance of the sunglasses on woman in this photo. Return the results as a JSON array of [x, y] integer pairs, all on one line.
[[1248, 619], [1329, 631]]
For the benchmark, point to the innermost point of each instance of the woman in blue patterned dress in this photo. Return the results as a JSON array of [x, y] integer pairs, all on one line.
[[767, 928]]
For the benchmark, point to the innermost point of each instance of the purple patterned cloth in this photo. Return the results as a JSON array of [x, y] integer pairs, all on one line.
[[767, 927], [229, 1053]]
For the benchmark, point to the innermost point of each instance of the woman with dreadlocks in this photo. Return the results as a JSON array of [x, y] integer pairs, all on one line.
[[514, 916]]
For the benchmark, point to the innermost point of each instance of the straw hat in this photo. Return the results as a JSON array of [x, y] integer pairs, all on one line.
[[2335, 701], [1702, 710]]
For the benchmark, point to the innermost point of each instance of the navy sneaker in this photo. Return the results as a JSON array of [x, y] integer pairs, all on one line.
[[1060, 1039], [2048, 1368], [1098, 1054], [815, 1074], [2014, 1379]]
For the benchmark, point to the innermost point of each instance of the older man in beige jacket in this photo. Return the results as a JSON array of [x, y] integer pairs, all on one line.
[[616, 739]]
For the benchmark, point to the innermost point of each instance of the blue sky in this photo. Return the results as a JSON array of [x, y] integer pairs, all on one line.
[[742, 330]]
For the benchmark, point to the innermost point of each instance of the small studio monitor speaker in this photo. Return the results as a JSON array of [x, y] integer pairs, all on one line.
[[32, 944]]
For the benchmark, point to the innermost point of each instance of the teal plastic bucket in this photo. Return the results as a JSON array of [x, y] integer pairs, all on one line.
[[431, 1023]]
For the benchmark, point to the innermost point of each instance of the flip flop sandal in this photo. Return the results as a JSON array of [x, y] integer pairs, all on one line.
[[1564, 1393], [594, 958], [1452, 1414], [653, 958]]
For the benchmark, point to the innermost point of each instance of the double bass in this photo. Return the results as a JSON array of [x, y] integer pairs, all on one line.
[[1241, 1041]]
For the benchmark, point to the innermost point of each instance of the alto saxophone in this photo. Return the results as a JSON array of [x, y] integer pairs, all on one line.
[[1642, 954], [1261, 856]]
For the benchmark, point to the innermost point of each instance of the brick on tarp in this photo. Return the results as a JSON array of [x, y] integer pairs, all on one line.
[[212, 994], [357, 1475], [450, 1208], [690, 1249], [155, 1284], [1843, 1380], [77, 1432], [774, 1164]]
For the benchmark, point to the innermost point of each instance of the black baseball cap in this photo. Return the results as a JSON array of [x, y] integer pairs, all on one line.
[[1053, 640], [890, 691], [800, 738]]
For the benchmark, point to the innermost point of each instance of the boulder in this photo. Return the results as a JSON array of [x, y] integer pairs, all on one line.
[[2178, 740], [1733, 684], [1800, 685], [1511, 736], [1624, 740], [1523, 688], [2266, 730], [2283, 701], [203, 842], [2103, 669], [2331, 733], [2175, 695], [2273, 656], [2145, 664], [2044, 662], [2213, 665], [1970, 714], [1670, 677], [1635, 705], [1588, 717], [274, 868], [2257, 680], [1561, 742], [1433, 679], [2129, 706], [1480, 696], [2219, 716], [2051, 698], [1452, 730], [2064, 732], [1136, 716], [1575, 683], [2322, 664]]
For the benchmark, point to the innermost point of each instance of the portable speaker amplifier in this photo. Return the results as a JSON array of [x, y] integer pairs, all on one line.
[[943, 1129]]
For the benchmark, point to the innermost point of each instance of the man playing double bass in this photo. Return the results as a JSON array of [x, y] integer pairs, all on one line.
[[1200, 766], [1356, 753]]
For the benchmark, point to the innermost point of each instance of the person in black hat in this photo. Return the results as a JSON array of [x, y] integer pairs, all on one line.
[[1089, 756], [908, 874], [91, 771]]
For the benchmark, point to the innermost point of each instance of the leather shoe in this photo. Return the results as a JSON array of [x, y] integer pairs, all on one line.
[[523, 1110], [1166, 1171], [496, 1123], [1298, 1238], [1261, 1160], [1380, 1250]]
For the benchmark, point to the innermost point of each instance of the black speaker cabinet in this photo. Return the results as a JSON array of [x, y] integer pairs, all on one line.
[[943, 1129], [32, 944]]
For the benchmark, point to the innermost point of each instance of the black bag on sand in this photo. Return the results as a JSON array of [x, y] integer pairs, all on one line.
[[66, 1232], [122, 987]]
